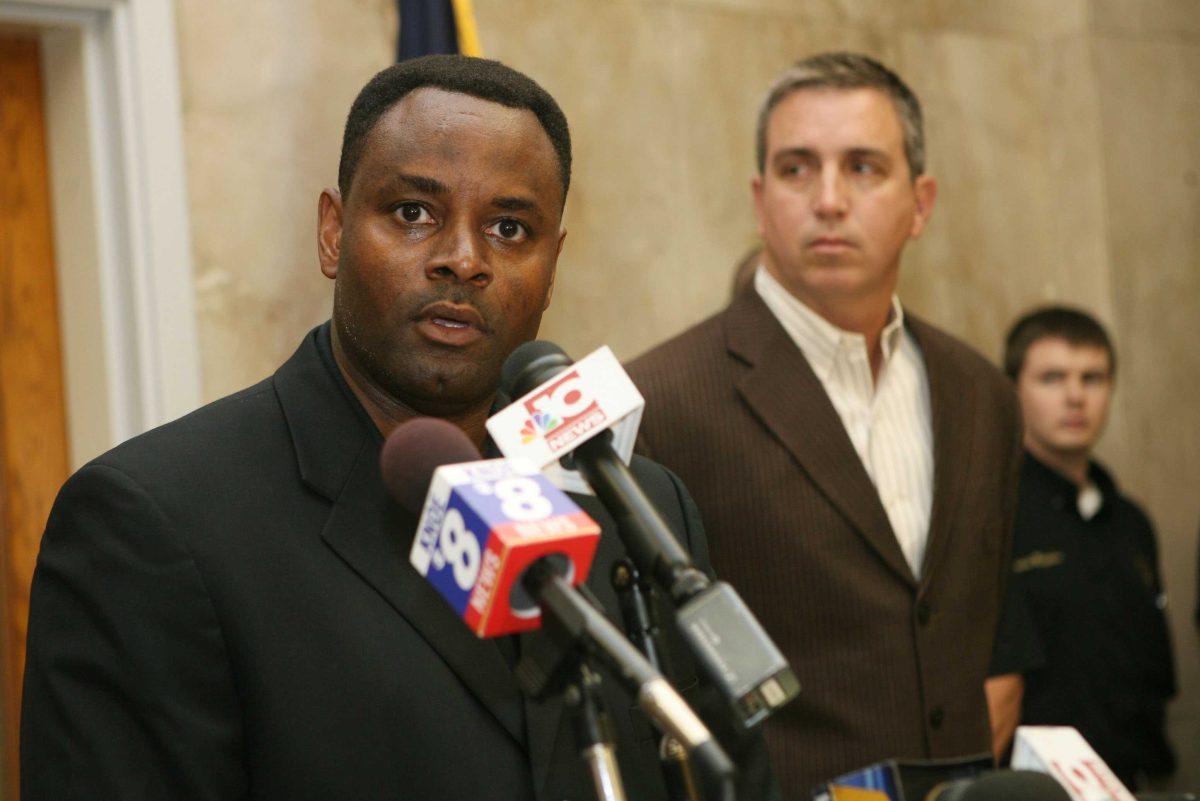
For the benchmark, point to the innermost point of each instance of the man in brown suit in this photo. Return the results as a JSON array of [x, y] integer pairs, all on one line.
[[854, 465]]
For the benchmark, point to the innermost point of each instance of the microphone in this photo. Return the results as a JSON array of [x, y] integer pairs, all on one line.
[[1001, 785], [503, 546], [728, 641], [482, 524], [577, 624]]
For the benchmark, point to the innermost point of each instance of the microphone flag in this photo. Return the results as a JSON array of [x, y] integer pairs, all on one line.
[[482, 525], [591, 396]]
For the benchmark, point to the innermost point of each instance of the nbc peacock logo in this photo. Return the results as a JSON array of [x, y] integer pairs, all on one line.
[[562, 413], [538, 424]]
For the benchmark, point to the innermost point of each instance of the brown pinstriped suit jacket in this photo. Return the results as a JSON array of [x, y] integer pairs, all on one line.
[[889, 666]]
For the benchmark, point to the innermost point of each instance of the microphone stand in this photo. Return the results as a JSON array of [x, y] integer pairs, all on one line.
[[593, 731], [634, 596], [557, 663], [575, 630]]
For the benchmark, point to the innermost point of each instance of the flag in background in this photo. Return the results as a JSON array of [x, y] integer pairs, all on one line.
[[436, 26]]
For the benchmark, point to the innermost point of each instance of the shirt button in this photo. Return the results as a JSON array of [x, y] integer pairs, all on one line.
[[936, 716], [922, 613]]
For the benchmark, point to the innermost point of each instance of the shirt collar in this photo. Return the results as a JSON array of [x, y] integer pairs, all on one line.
[[893, 332], [818, 339], [1065, 489]]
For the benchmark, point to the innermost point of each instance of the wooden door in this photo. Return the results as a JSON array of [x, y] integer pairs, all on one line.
[[33, 441]]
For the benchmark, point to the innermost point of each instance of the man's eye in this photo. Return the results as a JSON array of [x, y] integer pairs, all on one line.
[[413, 213], [508, 230], [863, 168]]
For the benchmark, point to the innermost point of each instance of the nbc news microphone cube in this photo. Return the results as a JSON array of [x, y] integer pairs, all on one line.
[[483, 524], [592, 396]]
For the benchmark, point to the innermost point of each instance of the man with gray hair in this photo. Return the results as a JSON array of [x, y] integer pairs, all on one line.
[[855, 466]]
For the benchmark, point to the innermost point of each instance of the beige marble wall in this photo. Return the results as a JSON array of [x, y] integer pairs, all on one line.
[[266, 86], [1064, 134], [1150, 115]]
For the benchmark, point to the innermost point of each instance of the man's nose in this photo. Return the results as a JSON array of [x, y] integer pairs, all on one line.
[[830, 200], [462, 257]]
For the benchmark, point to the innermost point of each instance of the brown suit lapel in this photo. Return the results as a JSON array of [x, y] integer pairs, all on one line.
[[952, 407], [784, 393]]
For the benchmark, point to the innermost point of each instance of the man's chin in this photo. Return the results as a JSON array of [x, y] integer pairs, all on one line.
[[444, 388], [1074, 447]]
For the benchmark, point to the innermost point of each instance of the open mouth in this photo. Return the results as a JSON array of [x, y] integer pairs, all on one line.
[[451, 323]]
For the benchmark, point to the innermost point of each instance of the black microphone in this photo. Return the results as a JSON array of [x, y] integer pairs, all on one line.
[[1001, 785], [411, 455], [653, 548], [728, 641]]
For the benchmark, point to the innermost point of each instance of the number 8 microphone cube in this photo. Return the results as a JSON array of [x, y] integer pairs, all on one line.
[[483, 524]]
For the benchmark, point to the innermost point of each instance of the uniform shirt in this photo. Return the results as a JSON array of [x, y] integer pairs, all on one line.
[[887, 418], [1093, 615]]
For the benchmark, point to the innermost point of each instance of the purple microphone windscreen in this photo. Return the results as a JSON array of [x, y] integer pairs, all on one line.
[[414, 450]]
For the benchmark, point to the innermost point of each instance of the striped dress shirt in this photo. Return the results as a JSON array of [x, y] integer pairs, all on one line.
[[888, 420]]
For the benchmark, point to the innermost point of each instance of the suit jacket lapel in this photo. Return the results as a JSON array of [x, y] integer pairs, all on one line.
[[782, 390], [952, 407], [542, 722], [338, 457]]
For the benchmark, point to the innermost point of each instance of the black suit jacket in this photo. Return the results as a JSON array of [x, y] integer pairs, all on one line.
[[890, 665], [223, 609]]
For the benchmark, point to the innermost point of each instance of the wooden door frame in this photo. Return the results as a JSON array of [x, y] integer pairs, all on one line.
[[33, 442], [126, 297]]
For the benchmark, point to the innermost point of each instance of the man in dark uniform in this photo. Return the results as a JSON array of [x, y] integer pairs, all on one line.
[[1084, 557]]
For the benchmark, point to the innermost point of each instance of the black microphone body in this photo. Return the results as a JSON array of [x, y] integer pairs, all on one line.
[[646, 536], [657, 552]]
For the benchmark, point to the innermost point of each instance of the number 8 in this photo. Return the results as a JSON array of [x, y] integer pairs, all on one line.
[[460, 548], [522, 499]]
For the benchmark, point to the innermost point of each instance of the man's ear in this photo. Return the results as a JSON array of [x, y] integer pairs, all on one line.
[[925, 189], [329, 231], [562, 235], [756, 190]]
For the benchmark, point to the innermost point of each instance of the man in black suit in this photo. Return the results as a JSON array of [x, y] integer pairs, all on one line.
[[223, 607]]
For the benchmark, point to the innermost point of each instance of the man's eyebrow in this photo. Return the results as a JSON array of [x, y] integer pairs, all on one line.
[[421, 183], [868, 152], [792, 152], [514, 203], [808, 152]]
